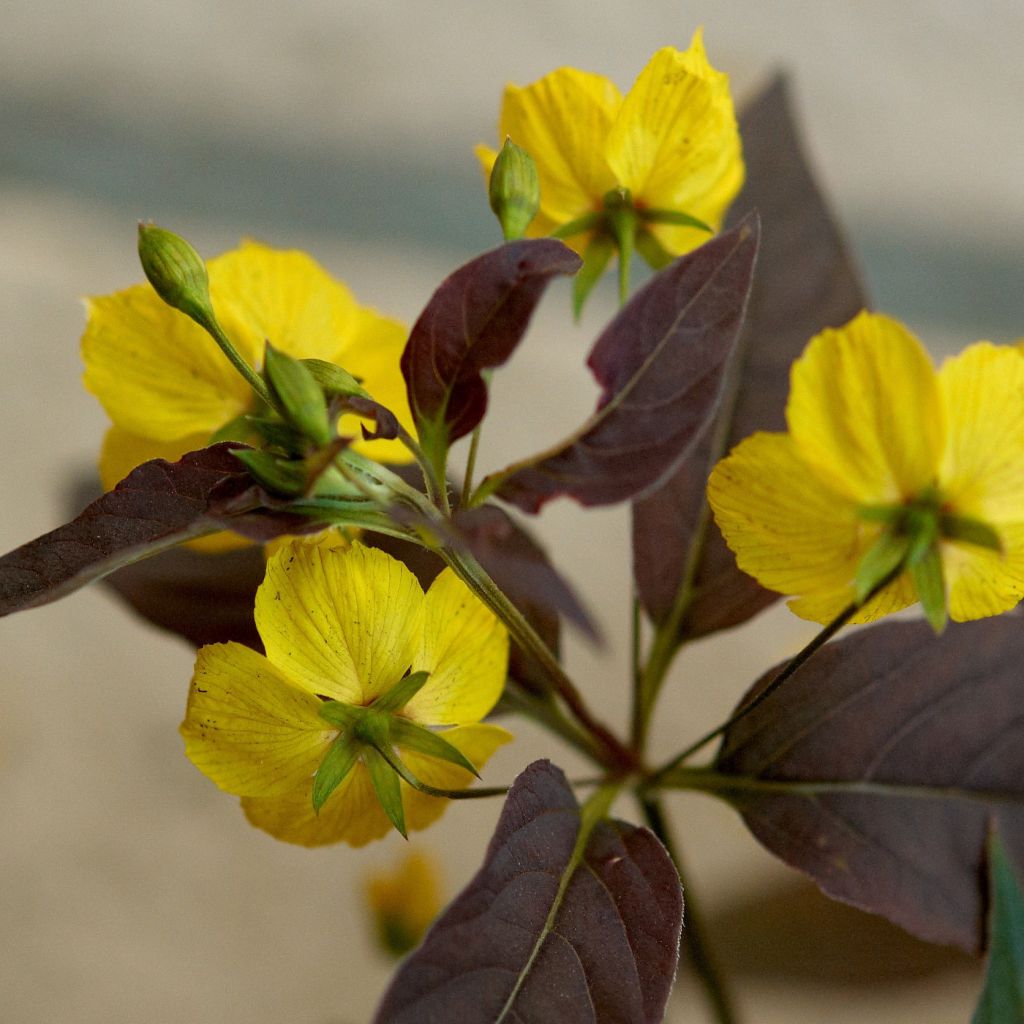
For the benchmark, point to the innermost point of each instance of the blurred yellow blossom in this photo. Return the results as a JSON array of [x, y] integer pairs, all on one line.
[[887, 464], [671, 144], [404, 900], [349, 636]]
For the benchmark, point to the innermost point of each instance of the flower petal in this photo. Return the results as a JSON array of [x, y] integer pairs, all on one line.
[[248, 728], [352, 814], [465, 650], [981, 582], [344, 624], [477, 742], [675, 143], [788, 528], [982, 469], [156, 373], [864, 410], [562, 120]]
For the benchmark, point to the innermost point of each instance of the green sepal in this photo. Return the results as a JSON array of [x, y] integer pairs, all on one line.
[[301, 398], [340, 714], [401, 693], [341, 756], [432, 744], [926, 572], [238, 429], [176, 272], [278, 476], [676, 217], [333, 380], [654, 254], [387, 786], [1002, 998], [970, 531], [921, 527], [587, 222], [880, 560], [514, 190], [277, 434], [622, 224], [595, 262], [888, 514]]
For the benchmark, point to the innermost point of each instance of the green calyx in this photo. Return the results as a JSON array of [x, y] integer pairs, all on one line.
[[371, 733], [909, 541]]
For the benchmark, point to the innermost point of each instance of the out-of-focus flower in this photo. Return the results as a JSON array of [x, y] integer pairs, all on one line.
[[404, 901], [888, 467], [349, 636], [670, 146], [167, 387]]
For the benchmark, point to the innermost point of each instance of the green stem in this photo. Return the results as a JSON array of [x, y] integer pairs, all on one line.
[[543, 708], [694, 935], [615, 753], [254, 380], [467, 483]]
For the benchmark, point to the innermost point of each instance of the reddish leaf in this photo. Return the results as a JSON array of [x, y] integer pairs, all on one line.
[[159, 504], [805, 281], [878, 768], [473, 322], [661, 365], [517, 945]]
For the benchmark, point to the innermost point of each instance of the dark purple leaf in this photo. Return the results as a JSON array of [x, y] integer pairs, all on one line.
[[540, 936], [159, 504], [879, 767], [473, 322], [805, 281], [386, 426], [660, 364]]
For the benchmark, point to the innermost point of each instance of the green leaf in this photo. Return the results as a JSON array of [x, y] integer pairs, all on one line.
[[971, 531], [334, 380], [931, 587], [277, 434], [432, 744], [881, 559], [1002, 999], [595, 262], [401, 693], [339, 760], [387, 786], [677, 217], [302, 399]]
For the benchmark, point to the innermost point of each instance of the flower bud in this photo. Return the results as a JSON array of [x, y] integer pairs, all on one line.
[[176, 272], [300, 397], [514, 190]]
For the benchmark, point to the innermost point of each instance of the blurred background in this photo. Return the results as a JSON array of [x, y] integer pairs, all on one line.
[[130, 888]]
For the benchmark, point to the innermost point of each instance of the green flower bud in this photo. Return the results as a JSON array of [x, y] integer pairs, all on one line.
[[176, 272], [301, 399], [514, 190]]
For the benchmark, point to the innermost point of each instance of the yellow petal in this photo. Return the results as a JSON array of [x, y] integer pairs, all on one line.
[[789, 529], [122, 452], [156, 373], [344, 624], [864, 410], [352, 814], [562, 121], [476, 742], [982, 469], [248, 727], [982, 582], [675, 143], [465, 650]]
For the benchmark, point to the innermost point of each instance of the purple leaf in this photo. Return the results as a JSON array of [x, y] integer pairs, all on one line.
[[540, 936], [878, 768], [159, 504], [473, 322], [660, 364], [805, 282]]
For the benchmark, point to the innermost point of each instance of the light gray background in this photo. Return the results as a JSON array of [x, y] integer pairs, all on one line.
[[130, 888]]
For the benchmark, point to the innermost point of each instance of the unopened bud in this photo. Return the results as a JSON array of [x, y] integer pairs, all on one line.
[[514, 190], [300, 397], [176, 272]]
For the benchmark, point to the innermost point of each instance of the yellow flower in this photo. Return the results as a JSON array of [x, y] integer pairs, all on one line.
[[671, 143], [168, 388], [885, 458], [341, 628], [404, 901]]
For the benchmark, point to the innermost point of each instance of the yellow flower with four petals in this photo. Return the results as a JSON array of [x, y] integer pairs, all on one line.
[[344, 631], [671, 143], [884, 454]]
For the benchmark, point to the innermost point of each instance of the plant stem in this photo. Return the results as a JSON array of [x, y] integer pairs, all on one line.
[[694, 937], [616, 754], [253, 379], [467, 483]]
